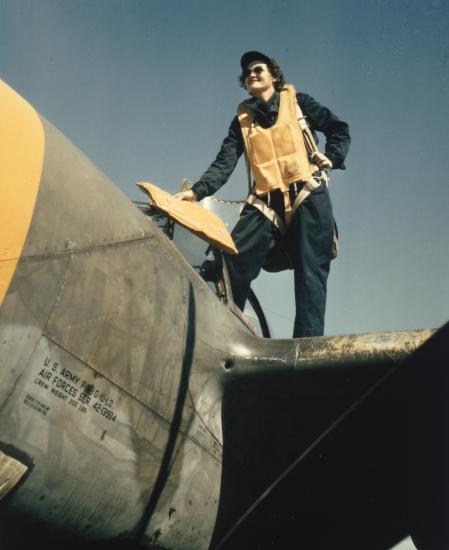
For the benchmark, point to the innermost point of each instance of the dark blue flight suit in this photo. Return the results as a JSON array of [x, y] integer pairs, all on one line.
[[310, 233]]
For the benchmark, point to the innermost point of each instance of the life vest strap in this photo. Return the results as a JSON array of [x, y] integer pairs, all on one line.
[[307, 188], [287, 207], [268, 212]]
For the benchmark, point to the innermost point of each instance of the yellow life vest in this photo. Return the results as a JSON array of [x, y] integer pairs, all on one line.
[[277, 155]]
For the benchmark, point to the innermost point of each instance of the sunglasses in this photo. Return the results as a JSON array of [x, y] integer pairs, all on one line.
[[258, 70]]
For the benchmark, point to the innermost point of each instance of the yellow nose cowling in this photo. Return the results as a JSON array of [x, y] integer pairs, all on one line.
[[22, 145]]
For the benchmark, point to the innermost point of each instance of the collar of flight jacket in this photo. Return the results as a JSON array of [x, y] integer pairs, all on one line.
[[265, 113]]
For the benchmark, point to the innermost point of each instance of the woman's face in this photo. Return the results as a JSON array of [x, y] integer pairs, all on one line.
[[258, 80]]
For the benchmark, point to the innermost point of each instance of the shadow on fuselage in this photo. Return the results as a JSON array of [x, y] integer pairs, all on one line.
[[346, 480]]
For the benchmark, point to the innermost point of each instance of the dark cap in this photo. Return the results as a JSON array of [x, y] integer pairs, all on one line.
[[248, 57]]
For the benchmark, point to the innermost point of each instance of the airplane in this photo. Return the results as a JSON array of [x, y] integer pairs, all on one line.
[[140, 408]]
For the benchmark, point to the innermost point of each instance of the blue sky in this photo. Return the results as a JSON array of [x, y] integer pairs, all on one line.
[[147, 89]]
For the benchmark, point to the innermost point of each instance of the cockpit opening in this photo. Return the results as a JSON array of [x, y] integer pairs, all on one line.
[[207, 260]]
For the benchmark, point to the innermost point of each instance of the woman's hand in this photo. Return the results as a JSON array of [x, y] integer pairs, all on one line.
[[187, 196], [321, 161]]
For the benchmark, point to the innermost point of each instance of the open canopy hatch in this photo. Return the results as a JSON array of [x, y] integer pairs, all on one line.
[[191, 215]]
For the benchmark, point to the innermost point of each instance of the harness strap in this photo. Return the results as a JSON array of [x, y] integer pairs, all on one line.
[[268, 213], [309, 186], [311, 146], [288, 213]]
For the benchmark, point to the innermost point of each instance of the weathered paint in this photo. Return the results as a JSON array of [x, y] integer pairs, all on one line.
[[11, 471], [92, 365]]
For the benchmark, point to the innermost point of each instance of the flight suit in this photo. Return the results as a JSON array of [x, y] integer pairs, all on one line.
[[311, 230]]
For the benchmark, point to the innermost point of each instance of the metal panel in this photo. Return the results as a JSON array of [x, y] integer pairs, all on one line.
[[77, 206], [78, 429]]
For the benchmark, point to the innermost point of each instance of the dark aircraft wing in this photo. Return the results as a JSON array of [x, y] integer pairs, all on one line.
[[346, 456]]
